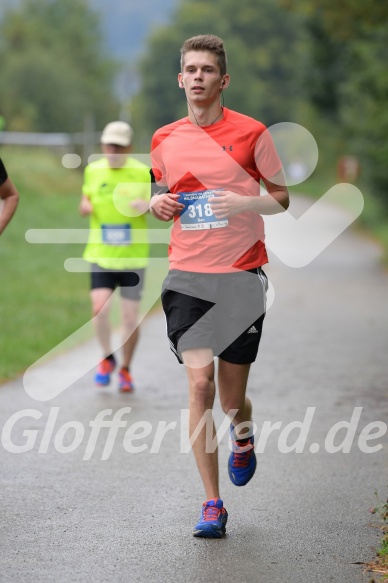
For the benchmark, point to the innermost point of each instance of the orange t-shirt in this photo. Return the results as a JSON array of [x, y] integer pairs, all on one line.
[[233, 154]]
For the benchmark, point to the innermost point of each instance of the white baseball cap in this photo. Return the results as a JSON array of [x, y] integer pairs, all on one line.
[[118, 133]]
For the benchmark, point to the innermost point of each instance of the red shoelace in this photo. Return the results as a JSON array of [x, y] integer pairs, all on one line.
[[241, 458], [211, 512]]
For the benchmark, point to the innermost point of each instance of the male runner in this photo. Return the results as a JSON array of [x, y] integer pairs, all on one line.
[[9, 197], [211, 164], [116, 195]]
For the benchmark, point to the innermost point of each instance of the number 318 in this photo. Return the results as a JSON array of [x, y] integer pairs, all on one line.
[[200, 210]]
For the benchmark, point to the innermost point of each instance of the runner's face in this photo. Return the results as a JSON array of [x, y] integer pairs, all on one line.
[[116, 155], [201, 77]]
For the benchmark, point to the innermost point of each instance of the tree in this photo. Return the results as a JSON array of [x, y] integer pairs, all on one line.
[[342, 20], [263, 45], [348, 77], [53, 69], [364, 109]]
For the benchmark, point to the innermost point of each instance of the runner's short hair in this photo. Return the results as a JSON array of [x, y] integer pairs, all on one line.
[[206, 42]]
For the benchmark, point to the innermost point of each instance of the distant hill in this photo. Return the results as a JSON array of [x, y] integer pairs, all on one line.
[[127, 23]]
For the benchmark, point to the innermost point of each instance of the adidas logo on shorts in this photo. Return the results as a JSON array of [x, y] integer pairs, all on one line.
[[253, 330]]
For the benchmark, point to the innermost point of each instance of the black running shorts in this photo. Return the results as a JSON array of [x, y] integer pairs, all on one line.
[[224, 312], [131, 282]]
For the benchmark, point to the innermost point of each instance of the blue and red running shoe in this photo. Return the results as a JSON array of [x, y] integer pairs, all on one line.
[[125, 381], [212, 523], [104, 370], [242, 460]]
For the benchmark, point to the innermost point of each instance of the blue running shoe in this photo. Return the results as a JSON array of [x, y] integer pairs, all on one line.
[[242, 460], [212, 523], [104, 370]]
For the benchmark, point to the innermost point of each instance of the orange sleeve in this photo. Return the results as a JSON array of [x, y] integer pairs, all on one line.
[[157, 165], [267, 159]]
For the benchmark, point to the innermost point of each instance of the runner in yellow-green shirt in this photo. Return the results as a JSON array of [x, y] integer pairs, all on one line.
[[115, 195]]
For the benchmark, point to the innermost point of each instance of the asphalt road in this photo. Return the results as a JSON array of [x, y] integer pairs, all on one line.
[[70, 516]]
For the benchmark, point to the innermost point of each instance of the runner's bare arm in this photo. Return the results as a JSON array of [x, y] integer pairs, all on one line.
[[10, 197], [85, 207], [228, 203], [140, 205], [165, 206]]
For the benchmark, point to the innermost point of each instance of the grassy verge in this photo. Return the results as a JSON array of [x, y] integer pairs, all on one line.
[[41, 304], [380, 565]]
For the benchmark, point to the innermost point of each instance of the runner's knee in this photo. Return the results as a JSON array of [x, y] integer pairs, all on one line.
[[229, 402], [100, 308], [202, 392]]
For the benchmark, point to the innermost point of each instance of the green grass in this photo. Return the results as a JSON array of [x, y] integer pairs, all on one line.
[[41, 304], [380, 565], [383, 550]]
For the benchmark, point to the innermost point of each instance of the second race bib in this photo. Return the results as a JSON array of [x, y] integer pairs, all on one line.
[[116, 234]]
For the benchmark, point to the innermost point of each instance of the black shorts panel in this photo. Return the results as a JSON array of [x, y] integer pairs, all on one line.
[[224, 312], [131, 282]]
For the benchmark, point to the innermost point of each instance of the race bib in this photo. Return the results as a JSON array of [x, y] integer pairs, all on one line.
[[197, 214], [116, 234]]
